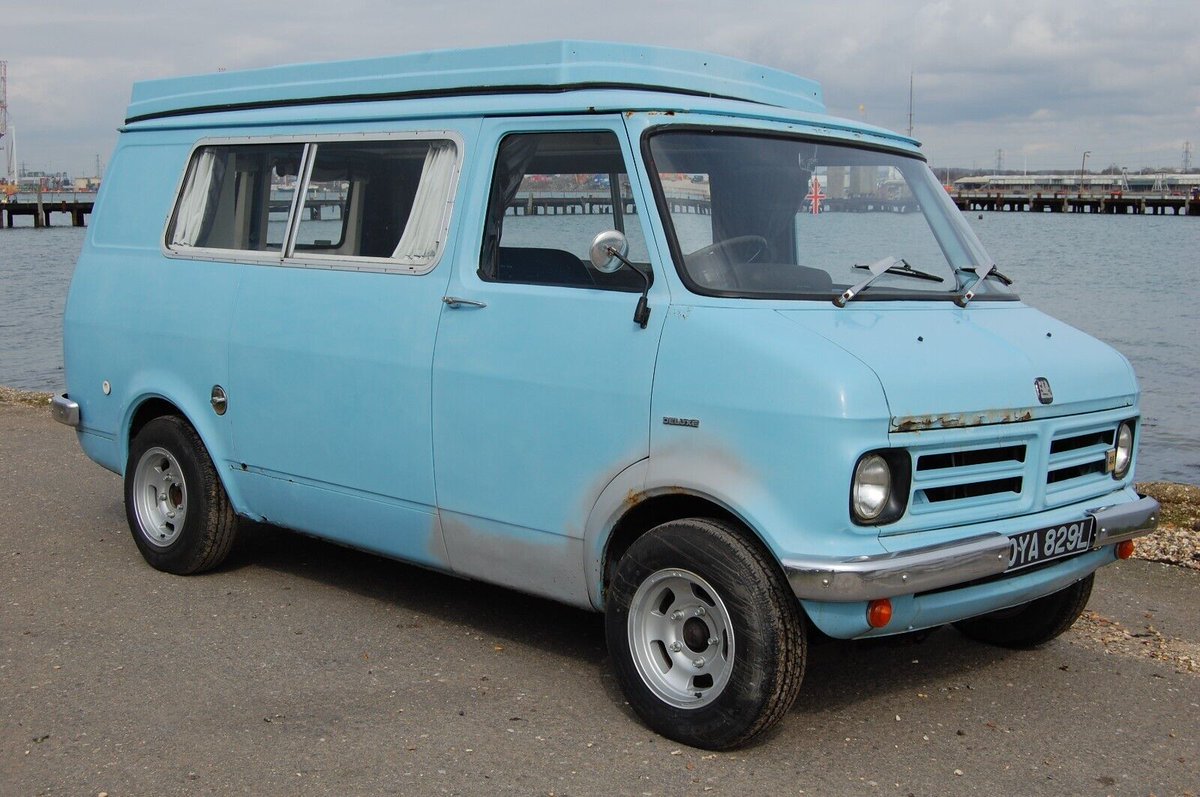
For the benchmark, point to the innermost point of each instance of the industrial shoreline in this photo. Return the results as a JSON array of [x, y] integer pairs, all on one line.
[[1176, 542]]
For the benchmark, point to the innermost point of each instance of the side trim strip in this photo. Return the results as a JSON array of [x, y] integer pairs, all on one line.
[[471, 91]]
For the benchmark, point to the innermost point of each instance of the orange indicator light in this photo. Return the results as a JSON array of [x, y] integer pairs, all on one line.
[[1125, 549], [879, 613]]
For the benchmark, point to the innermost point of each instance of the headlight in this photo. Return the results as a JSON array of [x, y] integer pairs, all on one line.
[[871, 488], [1123, 452]]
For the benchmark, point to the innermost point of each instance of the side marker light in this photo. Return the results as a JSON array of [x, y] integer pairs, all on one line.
[[1125, 549], [879, 612]]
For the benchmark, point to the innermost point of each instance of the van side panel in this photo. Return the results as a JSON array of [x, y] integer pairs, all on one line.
[[329, 401], [145, 326]]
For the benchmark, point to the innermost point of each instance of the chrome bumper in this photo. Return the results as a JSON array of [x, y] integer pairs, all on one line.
[[1125, 521], [864, 578], [63, 410]]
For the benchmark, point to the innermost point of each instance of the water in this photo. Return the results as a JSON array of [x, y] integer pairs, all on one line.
[[1129, 281], [35, 270]]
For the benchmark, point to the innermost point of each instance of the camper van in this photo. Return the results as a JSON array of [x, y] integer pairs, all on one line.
[[640, 330]]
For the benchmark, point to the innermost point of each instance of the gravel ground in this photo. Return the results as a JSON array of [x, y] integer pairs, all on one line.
[[1177, 540], [11, 396], [305, 668]]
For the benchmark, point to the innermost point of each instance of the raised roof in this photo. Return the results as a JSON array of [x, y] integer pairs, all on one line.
[[539, 67]]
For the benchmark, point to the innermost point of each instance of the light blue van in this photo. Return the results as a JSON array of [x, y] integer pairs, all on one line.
[[639, 330]]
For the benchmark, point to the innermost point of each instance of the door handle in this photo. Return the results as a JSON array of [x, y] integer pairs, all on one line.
[[455, 302]]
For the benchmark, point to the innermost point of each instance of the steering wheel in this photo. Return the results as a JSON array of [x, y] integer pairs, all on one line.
[[728, 248], [710, 266]]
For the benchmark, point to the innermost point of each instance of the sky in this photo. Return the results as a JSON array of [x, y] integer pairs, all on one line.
[[1041, 81]]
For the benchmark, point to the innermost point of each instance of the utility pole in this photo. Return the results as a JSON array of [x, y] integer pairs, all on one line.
[[910, 103]]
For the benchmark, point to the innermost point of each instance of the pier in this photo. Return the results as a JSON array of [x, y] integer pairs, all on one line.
[[571, 203], [77, 206], [1116, 202]]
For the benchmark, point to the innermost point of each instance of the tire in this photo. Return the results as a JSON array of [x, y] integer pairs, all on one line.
[[176, 507], [1031, 624], [693, 591]]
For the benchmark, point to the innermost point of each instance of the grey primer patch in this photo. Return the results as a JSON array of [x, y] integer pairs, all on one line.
[[692, 422]]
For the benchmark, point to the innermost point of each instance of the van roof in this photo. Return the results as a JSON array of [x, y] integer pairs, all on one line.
[[554, 66]]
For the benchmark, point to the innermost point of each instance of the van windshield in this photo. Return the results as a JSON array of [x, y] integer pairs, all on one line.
[[761, 216]]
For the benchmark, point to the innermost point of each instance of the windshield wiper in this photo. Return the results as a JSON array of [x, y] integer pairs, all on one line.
[[905, 270], [889, 265], [966, 296]]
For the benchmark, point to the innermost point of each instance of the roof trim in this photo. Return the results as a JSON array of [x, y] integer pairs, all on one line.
[[556, 66], [432, 94]]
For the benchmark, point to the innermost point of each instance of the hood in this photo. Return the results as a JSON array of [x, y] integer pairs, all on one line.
[[945, 366]]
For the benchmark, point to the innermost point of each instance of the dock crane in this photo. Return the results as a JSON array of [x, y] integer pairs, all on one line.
[[6, 138]]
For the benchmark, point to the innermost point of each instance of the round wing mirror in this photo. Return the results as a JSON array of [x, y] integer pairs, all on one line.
[[603, 246]]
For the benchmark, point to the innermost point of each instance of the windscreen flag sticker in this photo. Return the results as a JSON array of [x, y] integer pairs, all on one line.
[[814, 195]]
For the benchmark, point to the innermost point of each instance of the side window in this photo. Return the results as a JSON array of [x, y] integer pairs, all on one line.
[[377, 199], [386, 201], [231, 198], [551, 194]]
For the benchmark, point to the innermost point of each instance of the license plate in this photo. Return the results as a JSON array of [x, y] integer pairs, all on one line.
[[1042, 545]]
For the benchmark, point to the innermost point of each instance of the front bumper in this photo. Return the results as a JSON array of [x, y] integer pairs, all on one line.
[[864, 578]]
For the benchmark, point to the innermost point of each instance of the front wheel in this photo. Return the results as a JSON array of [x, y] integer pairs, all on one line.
[[177, 509], [705, 635], [1031, 624]]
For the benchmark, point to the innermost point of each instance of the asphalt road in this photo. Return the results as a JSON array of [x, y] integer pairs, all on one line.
[[301, 668]]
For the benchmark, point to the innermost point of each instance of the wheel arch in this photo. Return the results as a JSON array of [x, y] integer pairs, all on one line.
[[149, 406], [655, 509], [612, 529]]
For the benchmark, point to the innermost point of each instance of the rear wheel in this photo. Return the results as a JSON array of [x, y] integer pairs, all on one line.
[[1031, 624], [705, 635], [176, 507]]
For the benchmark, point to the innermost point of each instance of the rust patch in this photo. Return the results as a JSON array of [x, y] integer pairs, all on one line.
[[632, 499], [952, 420]]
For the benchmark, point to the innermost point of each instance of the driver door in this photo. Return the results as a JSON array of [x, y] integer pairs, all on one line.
[[541, 378]]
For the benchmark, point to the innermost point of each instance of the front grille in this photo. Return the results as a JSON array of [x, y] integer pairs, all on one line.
[[947, 475], [972, 490], [982, 474], [1078, 456], [1074, 443], [978, 456]]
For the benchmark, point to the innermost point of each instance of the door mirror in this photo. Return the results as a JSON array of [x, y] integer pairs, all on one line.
[[608, 251]]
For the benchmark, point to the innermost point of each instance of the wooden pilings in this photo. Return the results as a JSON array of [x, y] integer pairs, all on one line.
[[43, 211], [567, 206], [1115, 203]]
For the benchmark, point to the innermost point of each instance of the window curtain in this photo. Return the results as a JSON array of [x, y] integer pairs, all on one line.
[[420, 239], [516, 153], [200, 200]]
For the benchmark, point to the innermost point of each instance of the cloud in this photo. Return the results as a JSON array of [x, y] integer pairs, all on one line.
[[1044, 79]]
